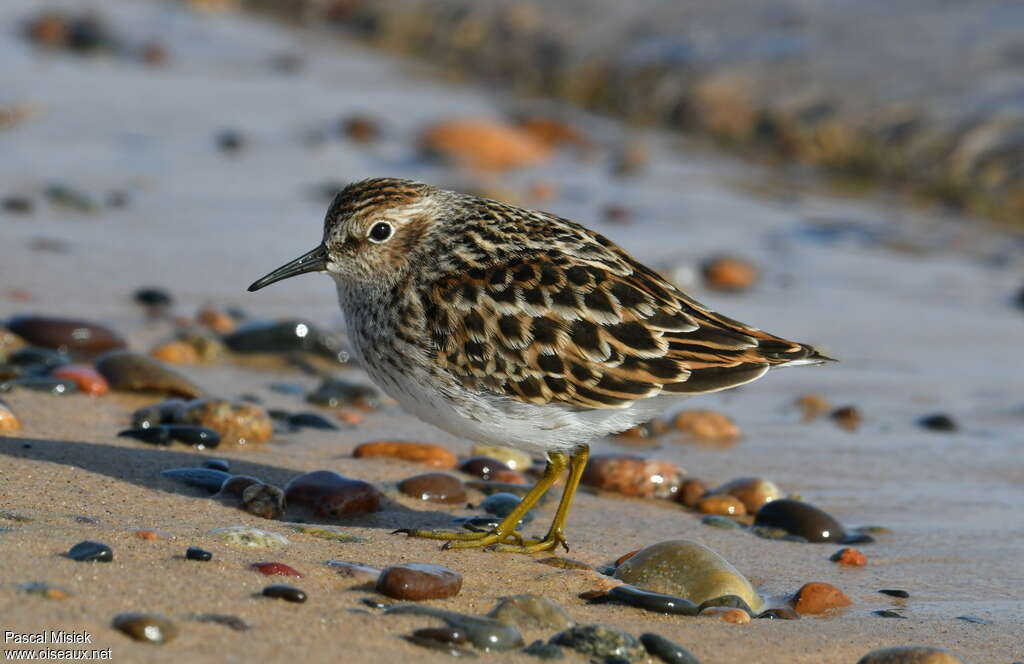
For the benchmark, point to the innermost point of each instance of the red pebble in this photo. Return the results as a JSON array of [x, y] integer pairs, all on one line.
[[276, 569], [85, 377]]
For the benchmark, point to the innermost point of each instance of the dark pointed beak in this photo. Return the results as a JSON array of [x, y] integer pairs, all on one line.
[[314, 261]]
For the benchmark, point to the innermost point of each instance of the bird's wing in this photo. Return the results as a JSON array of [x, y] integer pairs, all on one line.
[[597, 331]]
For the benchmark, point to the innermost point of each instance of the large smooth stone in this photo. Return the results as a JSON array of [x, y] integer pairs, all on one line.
[[686, 569], [531, 612], [330, 494], [602, 642], [78, 337], [801, 519], [131, 372], [418, 581], [910, 655]]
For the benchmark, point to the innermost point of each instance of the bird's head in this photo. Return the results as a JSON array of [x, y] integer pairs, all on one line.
[[374, 232]]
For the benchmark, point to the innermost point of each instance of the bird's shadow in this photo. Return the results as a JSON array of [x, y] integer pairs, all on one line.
[[142, 466]]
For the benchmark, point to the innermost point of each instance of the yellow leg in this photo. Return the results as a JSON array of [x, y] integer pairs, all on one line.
[[556, 533], [506, 530]]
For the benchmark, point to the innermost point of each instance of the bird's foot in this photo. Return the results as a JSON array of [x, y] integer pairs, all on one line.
[[454, 540], [549, 543]]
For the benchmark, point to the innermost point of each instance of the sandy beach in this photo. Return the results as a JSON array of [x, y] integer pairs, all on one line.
[[916, 303]]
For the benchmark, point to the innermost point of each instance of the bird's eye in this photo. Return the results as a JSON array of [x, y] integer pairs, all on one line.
[[381, 231]]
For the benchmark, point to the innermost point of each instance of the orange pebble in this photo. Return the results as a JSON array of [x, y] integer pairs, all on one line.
[[148, 535], [728, 614], [176, 352], [850, 558], [350, 417], [85, 377], [425, 453], [818, 597], [216, 320]]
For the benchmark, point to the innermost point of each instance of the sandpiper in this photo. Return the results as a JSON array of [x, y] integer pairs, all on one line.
[[515, 327]]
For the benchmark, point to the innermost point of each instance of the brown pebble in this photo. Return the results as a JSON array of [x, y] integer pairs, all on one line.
[[360, 128], [849, 557], [483, 145], [332, 495], [708, 426], [131, 372], [434, 487], [216, 320], [77, 337], [176, 352], [632, 475], [910, 655], [817, 597], [482, 466], [237, 422], [728, 614], [691, 491], [847, 417], [753, 492], [729, 273], [148, 535], [8, 420], [88, 380], [721, 504], [426, 453], [419, 581], [263, 500], [812, 406], [237, 484], [146, 627]]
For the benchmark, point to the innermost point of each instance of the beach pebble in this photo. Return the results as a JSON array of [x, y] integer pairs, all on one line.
[[910, 655], [652, 601], [233, 622], [17, 204], [199, 437], [175, 352], [263, 500], [338, 393], [285, 336], [332, 495], [131, 372], [162, 412], [443, 639], [779, 613], [37, 361], [79, 338], [708, 426], [355, 571], [285, 592], [487, 634], [734, 616], [85, 377], [632, 475], [48, 384], [729, 273], [146, 627], [154, 298], [602, 642], [217, 464], [311, 421], [667, 651], [360, 128], [691, 491], [938, 422], [91, 552], [217, 320], [728, 602], [249, 537], [544, 650], [502, 504], [847, 417], [812, 406], [275, 569], [427, 454], [419, 581], [45, 590], [687, 569], [327, 533], [9, 422], [531, 612], [237, 422], [483, 467], [753, 492], [801, 519], [195, 553], [818, 597], [202, 478], [723, 522], [512, 458], [235, 485], [849, 557], [482, 145], [894, 592], [434, 487], [722, 505]]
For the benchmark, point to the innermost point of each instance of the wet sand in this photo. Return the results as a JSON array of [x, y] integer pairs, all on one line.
[[920, 317]]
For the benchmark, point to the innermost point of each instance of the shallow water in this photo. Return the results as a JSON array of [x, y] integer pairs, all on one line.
[[914, 304]]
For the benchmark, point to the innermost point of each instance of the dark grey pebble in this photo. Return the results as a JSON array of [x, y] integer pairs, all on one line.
[[544, 650], [938, 422], [336, 392], [720, 521], [285, 336], [652, 601], [779, 613], [285, 592], [502, 504], [38, 361], [375, 603], [230, 141], [91, 552], [892, 592], [155, 435], [442, 646], [201, 437], [195, 553], [666, 650], [234, 622], [153, 297], [48, 384], [974, 619], [484, 633], [312, 421], [446, 634], [161, 412], [729, 601], [856, 537], [887, 613], [601, 641], [18, 204], [800, 519], [293, 389], [490, 488], [222, 465], [203, 478]]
